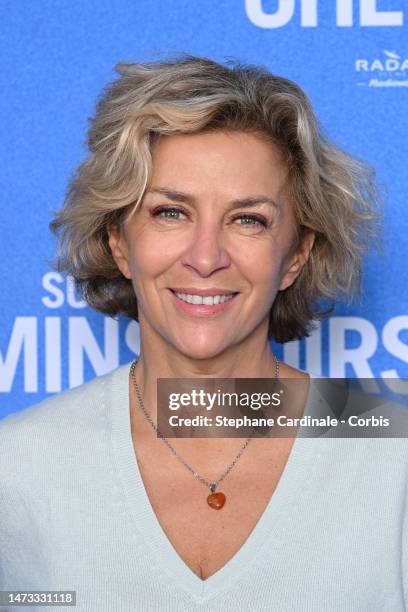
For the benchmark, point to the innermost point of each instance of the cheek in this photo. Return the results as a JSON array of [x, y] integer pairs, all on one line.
[[151, 257], [262, 266]]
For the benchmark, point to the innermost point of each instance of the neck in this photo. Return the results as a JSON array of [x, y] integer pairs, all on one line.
[[252, 358]]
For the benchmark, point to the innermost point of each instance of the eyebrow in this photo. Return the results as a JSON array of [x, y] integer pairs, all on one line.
[[180, 196]]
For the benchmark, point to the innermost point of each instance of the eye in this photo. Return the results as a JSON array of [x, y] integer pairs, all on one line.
[[251, 221], [170, 213]]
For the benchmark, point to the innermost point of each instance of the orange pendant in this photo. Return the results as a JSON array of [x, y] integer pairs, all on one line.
[[216, 500]]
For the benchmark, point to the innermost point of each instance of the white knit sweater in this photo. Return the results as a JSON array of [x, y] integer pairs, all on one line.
[[74, 515]]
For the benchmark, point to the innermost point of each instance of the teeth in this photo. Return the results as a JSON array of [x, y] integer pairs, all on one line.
[[208, 300]]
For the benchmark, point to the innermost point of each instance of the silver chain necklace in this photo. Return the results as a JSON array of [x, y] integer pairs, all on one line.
[[215, 500]]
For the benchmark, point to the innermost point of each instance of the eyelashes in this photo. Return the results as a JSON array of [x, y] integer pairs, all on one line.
[[173, 213]]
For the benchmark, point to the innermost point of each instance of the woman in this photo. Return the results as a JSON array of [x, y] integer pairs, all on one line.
[[212, 210]]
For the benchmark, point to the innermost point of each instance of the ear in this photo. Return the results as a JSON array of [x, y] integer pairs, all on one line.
[[119, 249], [298, 258]]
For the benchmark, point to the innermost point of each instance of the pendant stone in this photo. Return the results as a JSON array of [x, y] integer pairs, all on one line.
[[215, 500]]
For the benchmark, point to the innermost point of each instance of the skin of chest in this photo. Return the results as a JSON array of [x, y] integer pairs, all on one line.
[[204, 538]]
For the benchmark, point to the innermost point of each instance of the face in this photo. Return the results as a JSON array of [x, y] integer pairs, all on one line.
[[212, 243]]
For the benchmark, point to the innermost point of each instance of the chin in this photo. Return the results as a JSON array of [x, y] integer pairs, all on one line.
[[201, 350]]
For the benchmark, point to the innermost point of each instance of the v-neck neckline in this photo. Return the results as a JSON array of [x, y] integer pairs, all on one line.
[[293, 482]]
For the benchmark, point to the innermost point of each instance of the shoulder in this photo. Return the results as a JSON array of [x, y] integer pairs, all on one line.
[[65, 406], [372, 428], [57, 421]]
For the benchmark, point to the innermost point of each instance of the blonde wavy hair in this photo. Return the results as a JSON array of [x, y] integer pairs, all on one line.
[[333, 194]]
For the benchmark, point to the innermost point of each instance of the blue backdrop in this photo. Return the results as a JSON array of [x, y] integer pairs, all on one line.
[[351, 57]]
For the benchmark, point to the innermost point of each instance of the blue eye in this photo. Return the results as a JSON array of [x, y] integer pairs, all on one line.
[[251, 220], [168, 212]]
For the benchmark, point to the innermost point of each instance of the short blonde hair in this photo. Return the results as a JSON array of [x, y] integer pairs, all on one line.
[[333, 193]]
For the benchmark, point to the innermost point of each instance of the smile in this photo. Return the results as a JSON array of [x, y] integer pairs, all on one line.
[[208, 300], [203, 302]]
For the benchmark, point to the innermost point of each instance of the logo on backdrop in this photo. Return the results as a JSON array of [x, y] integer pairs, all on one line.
[[45, 345], [388, 70], [49, 349], [369, 15]]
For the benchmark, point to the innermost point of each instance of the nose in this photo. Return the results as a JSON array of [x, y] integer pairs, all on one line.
[[206, 252]]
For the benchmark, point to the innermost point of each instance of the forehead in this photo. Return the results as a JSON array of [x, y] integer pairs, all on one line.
[[235, 162]]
